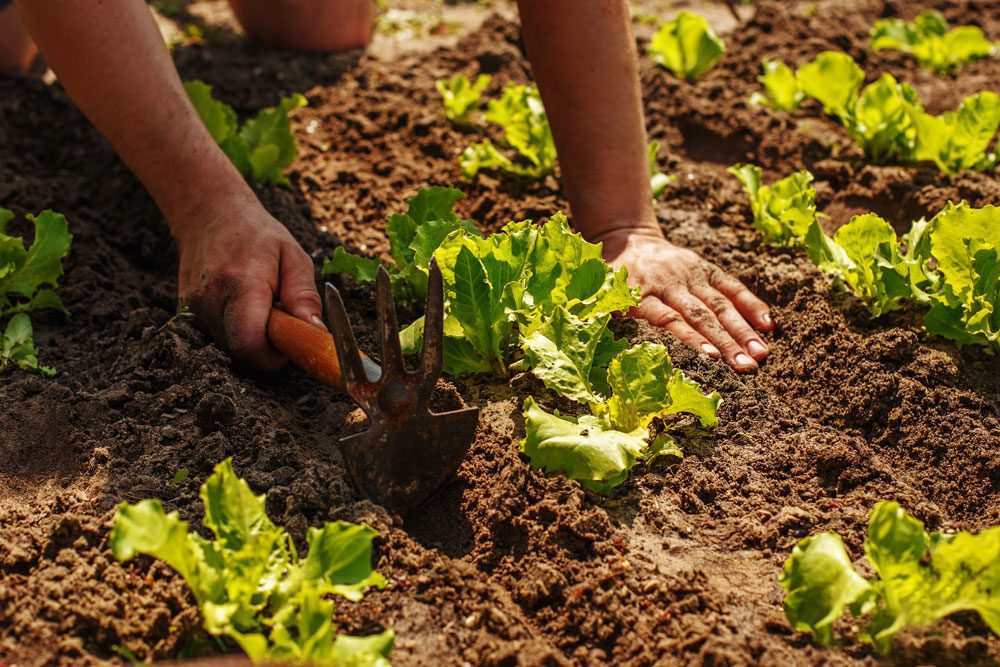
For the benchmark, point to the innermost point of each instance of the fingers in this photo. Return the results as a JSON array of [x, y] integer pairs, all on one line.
[[749, 306], [297, 289], [244, 323], [732, 321], [703, 320], [657, 313]]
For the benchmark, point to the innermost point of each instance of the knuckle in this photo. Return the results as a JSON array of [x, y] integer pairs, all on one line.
[[667, 318], [718, 303]]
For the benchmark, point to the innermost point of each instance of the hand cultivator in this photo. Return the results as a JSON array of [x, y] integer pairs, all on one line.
[[408, 452]]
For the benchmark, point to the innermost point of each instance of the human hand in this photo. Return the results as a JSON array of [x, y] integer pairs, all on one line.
[[232, 267], [690, 297]]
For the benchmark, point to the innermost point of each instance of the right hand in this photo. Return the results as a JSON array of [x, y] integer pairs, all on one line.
[[233, 267]]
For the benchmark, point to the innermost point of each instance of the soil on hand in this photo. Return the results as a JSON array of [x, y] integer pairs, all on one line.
[[505, 567]]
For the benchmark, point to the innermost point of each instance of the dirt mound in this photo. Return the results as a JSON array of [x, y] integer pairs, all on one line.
[[506, 567]]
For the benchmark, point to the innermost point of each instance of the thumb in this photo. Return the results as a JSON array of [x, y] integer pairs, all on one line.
[[297, 289]]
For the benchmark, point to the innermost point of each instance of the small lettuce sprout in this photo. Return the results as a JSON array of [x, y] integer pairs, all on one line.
[[264, 147], [781, 89], [461, 96], [521, 115], [687, 46], [782, 211], [250, 582], [928, 38], [919, 578], [959, 140]]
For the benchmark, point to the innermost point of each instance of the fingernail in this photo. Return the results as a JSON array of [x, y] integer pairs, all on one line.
[[766, 318], [744, 360], [317, 321], [710, 349], [756, 347]]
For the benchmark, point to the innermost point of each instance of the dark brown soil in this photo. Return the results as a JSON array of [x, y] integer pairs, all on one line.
[[506, 567]]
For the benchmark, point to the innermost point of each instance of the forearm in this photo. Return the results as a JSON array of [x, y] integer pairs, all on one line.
[[111, 60], [584, 59]]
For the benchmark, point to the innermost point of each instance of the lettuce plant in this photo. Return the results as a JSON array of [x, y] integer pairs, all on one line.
[[27, 279], [960, 139], [782, 211], [658, 181], [864, 255], [781, 89], [832, 78], [639, 385], [461, 96], [263, 147], [928, 38], [919, 579], [493, 286], [958, 273], [687, 46], [521, 115], [250, 582]]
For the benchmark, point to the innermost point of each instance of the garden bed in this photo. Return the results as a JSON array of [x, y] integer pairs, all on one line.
[[679, 565]]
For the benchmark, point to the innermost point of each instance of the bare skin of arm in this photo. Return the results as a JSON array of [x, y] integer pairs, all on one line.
[[235, 259], [584, 59]]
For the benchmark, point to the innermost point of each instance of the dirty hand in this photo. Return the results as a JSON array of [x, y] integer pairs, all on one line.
[[690, 297], [232, 268]]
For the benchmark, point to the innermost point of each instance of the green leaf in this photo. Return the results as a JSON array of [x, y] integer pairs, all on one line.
[[687, 46], [340, 554], [270, 142], [821, 585], [782, 211], [639, 378], [218, 117], [686, 396], [461, 96], [833, 79], [561, 353], [959, 139], [781, 88], [362, 269], [369, 651], [22, 272], [18, 347], [581, 449], [472, 305]]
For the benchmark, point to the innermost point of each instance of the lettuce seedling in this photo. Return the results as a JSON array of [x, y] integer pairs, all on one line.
[[658, 181], [599, 449], [250, 582], [880, 120], [461, 96], [919, 579], [687, 46], [781, 89], [27, 276], [960, 139], [864, 255], [958, 255], [521, 115], [833, 79], [928, 38], [264, 147], [512, 282], [782, 211]]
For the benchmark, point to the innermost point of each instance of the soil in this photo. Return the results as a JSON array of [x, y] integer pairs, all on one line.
[[505, 567]]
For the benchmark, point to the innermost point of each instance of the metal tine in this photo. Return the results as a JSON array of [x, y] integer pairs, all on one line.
[[432, 354], [348, 355], [392, 353]]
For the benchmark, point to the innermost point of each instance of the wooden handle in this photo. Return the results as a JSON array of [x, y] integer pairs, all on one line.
[[307, 345]]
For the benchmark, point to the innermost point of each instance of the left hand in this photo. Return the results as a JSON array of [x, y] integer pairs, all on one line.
[[706, 308]]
